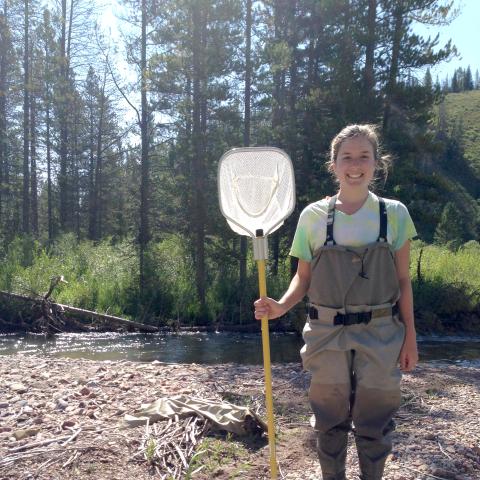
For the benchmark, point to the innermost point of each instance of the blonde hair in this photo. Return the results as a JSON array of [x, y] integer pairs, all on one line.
[[382, 162]]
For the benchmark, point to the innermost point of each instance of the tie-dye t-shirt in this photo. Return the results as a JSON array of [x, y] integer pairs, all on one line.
[[355, 230]]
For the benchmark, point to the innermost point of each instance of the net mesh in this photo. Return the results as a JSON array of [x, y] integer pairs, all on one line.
[[256, 188]]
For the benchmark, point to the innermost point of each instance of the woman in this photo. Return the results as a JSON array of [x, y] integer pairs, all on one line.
[[353, 252]]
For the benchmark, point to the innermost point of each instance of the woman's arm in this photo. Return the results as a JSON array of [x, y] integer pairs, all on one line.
[[408, 354], [295, 293]]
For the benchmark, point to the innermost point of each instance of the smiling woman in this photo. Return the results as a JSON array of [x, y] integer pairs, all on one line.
[[353, 252]]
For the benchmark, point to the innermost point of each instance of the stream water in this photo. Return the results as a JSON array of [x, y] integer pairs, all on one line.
[[207, 348]]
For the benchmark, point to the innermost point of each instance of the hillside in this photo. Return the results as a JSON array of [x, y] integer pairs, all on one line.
[[463, 117]]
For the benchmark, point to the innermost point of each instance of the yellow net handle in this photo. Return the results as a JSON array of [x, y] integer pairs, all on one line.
[[262, 283]]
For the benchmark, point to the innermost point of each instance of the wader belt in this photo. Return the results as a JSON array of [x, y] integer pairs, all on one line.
[[354, 318], [382, 237]]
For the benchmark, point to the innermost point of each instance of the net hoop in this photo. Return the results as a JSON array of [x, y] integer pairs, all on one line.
[[256, 189]]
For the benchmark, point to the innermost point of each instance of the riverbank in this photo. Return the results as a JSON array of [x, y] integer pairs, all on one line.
[[81, 403]]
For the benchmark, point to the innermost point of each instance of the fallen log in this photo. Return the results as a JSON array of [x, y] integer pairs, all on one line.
[[86, 313]]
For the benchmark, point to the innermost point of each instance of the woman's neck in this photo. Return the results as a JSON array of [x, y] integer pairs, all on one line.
[[349, 201]]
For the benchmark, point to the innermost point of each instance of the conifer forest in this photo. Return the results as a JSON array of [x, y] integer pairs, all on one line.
[[110, 142]]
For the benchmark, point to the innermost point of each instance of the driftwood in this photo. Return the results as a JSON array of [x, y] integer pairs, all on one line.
[[51, 319], [170, 447]]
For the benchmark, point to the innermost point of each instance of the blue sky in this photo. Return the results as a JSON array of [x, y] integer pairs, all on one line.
[[464, 32]]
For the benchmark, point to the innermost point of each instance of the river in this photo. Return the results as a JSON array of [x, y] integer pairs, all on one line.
[[206, 348]]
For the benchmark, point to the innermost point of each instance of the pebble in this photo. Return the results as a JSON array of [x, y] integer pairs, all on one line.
[[61, 404], [85, 391], [68, 424], [28, 432], [18, 388]]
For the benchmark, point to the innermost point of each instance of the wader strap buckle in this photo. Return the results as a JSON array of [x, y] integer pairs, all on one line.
[[352, 318], [312, 312], [382, 236], [330, 219]]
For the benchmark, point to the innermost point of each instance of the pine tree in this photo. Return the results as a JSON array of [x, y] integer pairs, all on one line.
[[427, 81], [451, 230], [455, 85], [468, 80]]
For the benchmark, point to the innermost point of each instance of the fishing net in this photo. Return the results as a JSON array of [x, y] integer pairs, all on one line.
[[256, 189]]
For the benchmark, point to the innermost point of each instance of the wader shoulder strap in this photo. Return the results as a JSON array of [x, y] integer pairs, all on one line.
[[330, 219], [382, 237]]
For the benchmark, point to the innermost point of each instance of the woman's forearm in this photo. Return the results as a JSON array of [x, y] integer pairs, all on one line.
[[405, 304], [295, 293]]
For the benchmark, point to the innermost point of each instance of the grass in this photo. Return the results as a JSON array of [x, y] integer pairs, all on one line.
[[104, 277], [463, 109], [214, 453], [446, 287], [150, 450]]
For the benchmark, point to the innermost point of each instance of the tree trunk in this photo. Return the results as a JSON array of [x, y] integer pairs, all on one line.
[[393, 71], [246, 130], [144, 236], [33, 166], [4, 50], [26, 126], [92, 207], [278, 82], [47, 74], [76, 172], [49, 168], [62, 178], [293, 124], [99, 165], [369, 71], [198, 163]]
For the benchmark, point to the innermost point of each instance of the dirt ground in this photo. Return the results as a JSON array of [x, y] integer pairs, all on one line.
[[63, 419]]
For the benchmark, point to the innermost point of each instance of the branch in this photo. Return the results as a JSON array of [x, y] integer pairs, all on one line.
[[121, 91]]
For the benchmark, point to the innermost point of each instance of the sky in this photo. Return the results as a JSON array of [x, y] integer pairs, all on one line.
[[464, 32]]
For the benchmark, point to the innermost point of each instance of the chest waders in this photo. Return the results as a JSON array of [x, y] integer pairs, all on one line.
[[353, 338]]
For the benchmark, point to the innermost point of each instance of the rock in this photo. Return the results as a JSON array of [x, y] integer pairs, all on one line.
[[4, 404], [440, 472], [28, 432], [18, 388], [61, 404], [68, 424], [5, 429], [81, 380], [85, 391]]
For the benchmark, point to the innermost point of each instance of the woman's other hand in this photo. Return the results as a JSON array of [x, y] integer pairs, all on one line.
[[408, 354]]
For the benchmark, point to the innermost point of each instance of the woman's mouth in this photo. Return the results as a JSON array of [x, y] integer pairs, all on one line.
[[354, 175]]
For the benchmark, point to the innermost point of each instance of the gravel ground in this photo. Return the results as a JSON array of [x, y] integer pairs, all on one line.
[[62, 418]]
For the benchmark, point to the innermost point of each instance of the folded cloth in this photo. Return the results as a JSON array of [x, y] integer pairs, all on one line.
[[223, 415]]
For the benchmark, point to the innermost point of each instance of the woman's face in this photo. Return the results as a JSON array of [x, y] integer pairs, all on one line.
[[354, 166]]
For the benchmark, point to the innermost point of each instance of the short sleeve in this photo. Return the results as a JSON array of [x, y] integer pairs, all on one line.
[[405, 229], [301, 245]]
